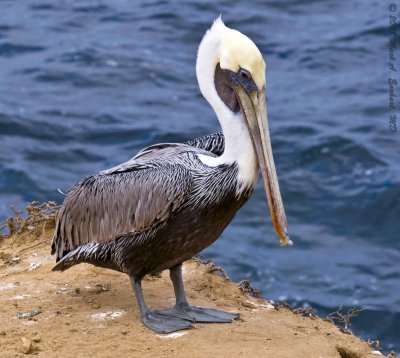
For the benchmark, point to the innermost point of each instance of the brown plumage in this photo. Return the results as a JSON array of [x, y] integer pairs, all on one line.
[[107, 216]]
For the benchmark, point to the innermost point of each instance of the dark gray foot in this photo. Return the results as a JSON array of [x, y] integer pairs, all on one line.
[[164, 324], [198, 314]]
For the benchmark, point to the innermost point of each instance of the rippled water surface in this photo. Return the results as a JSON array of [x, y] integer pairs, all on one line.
[[85, 85]]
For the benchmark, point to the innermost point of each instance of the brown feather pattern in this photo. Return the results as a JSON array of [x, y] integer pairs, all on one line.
[[151, 212]]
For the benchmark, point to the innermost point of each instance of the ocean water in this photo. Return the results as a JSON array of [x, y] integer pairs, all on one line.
[[85, 85]]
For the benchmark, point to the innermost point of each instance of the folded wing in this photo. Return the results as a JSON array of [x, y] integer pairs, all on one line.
[[104, 207]]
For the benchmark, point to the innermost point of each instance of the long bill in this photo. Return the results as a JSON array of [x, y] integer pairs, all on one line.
[[255, 112]]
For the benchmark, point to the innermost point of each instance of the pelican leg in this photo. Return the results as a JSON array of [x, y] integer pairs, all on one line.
[[157, 322], [182, 309]]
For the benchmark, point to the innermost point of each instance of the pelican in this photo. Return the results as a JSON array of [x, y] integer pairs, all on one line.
[[172, 200]]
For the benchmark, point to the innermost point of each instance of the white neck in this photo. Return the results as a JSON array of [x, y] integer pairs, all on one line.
[[238, 144]]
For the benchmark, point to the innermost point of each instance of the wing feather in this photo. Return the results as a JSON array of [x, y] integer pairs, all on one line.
[[130, 197], [210, 143], [214, 143], [103, 207]]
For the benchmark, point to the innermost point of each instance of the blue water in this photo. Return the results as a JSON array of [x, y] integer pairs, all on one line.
[[85, 85]]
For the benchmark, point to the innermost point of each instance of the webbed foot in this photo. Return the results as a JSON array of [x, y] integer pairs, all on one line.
[[164, 324], [198, 314]]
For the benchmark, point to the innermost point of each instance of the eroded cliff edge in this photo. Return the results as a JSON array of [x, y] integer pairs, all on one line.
[[92, 312]]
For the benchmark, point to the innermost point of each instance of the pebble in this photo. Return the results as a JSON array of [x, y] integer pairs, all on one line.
[[26, 347], [15, 259], [28, 314], [103, 287], [3, 333], [34, 266], [62, 291], [36, 339]]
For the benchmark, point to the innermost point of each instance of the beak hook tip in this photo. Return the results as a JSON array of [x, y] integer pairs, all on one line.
[[285, 240]]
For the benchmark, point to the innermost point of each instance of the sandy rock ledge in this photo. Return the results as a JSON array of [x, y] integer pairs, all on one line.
[[91, 312]]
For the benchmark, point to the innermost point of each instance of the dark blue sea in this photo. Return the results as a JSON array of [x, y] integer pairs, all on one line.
[[86, 84]]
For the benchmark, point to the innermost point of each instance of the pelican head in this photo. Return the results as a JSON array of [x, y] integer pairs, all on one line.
[[231, 74]]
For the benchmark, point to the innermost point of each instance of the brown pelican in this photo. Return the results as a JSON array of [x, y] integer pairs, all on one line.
[[172, 200]]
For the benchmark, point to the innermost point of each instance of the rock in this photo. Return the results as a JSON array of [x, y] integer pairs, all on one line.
[[103, 287], [265, 332], [15, 260], [34, 266], [28, 314], [26, 347], [3, 333], [62, 291]]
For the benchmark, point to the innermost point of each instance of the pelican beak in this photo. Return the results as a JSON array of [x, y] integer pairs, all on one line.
[[253, 105]]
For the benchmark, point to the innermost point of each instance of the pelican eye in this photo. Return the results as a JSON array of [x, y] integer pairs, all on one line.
[[244, 74]]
